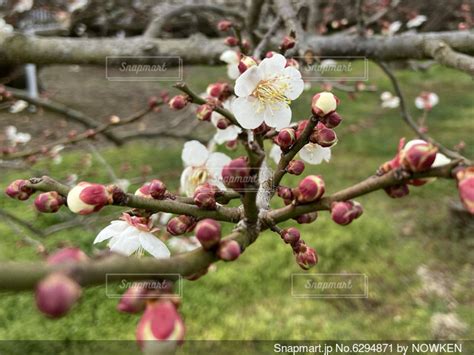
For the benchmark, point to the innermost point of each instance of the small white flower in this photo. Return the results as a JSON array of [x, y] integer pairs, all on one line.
[[229, 133], [315, 154], [426, 100], [182, 245], [275, 153], [232, 58], [15, 137], [416, 21], [130, 235], [393, 28], [18, 106], [440, 160], [201, 166], [265, 92], [389, 101]]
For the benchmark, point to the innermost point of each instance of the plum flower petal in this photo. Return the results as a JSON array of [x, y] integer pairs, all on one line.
[[275, 153], [315, 154], [232, 59], [416, 21], [194, 154]]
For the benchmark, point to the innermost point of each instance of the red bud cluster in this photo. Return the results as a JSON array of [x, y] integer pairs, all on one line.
[[18, 189], [154, 189], [205, 196], [306, 256], [345, 212]]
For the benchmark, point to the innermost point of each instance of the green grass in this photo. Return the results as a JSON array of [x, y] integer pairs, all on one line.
[[251, 297]]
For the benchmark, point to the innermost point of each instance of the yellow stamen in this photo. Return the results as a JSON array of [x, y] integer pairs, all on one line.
[[271, 92]]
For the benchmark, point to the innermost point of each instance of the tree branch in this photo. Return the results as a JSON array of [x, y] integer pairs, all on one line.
[[445, 55]]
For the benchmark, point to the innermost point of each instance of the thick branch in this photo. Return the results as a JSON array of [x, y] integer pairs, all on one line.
[[443, 54]]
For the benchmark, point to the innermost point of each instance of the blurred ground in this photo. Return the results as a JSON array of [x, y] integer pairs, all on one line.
[[418, 265]]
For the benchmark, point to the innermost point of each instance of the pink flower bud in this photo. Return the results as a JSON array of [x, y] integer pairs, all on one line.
[[56, 294], [301, 127], [49, 202], [465, 179], [325, 137], [295, 167], [235, 175], [310, 189], [231, 41], [18, 189], [324, 103], [345, 212], [418, 155], [262, 129], [245, 63], [306, 257], [307, 218], [133, 300], [220, 91], [245, 45], [204, 196], [86, 198], [204, 112], [290, 235], [286, 138], [160, 321], [291, 62], [180, 225], [397, 191], [67, 255], [178, 102], [228, 250], [208, 232], [157, 189], [224, 25], [288, 42], [285, 193], [232, 145], [332, 120], [222, 123]]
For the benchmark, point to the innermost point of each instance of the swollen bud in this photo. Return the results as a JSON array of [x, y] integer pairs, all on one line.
[[295, 167], [324, 103], [245, 63], [306, 257], [133, 300], [331, 120], [235, 175], [290, 235], [285, 193], [288, 42], [204, 196], [465, 179], [325, 137], [56, 294], [228, 250], [204, 112], [345, 212], [67, 255], [224, 25], [310, 189], [418, 155], [180, 225], [208, 232], [397, 191], [86, 198], [178, 102], [286, 138], [220, 91], [231, 41], [49, 202], [159, 322], [18, 189], [307, 218], [157, 189]]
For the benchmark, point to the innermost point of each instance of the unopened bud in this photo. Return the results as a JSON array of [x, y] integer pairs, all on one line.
[[285, 193], [157, 189], [178, 102], [306, 258], [465, 179], [204, 112], [288, 42], [345, 212], [245, 63], [56, 294], [86, 198], [307, 218], [295, 167], [18, 189], [220, 91], [418, 155], [153, 102], [208, 232], [324, 103], [231, 41], [224, 25], [67, 255], [397, 191], [291, 62], [310, 189], [180, 225], [222, 123], [286, 138], [228, 250], [49, 202], [325, 137], [300, 128], [133, 300], [204, 196], [235, 175], [290, 235]]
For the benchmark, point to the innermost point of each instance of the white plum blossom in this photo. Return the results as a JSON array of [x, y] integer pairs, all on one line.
[[14, 137], [18, 106], [229, 133], [426, 100], [201, 166], [264, 93], [393, 28], [232, 58], [275, 153], [416, 21], [389, 100], [313, 153], [182, 245], [133, 235], [440, 160]]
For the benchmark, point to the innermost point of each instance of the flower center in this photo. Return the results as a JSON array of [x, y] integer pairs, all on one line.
[[271, 92], [199, 176]]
